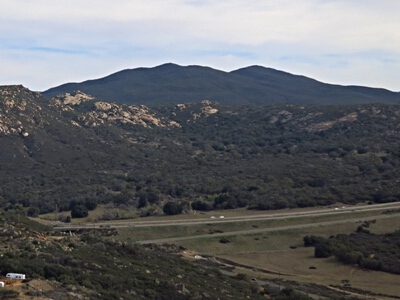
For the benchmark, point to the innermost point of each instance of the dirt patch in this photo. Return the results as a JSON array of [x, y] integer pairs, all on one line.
[[40, 285], [33, 289]]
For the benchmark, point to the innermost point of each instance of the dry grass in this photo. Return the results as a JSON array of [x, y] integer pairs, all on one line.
[[328, 271], [271, 251]]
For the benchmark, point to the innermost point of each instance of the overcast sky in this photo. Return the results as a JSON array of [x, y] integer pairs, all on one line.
[[45, 43]]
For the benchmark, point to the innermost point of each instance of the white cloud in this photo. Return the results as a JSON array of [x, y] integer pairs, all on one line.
[[51, 42]]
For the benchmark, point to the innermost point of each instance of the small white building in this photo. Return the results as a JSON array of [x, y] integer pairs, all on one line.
[[15, 276], [2, 284]]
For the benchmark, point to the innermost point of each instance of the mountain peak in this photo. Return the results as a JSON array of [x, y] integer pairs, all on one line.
[[253, 85], [167, 65]]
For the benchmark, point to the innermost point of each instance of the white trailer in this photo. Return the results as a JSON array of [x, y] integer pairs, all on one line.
[[15, 276]]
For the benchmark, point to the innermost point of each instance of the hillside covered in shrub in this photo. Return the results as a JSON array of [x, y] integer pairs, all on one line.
[[76, 150], [67, 266]]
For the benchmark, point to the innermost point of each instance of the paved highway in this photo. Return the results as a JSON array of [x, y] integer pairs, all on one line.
[[257, 217], [268, 229], [261, 217]]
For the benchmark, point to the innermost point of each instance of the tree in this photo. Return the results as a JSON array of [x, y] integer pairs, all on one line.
[[152, 197], [147, 197], [142, 200], [202, 206], [322, 250], [90, 203], [172, 208], [33, 212], [312, 240], [79, 211]]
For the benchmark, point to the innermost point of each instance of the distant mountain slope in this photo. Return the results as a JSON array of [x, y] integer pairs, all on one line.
[[301, 89], [170, 83]]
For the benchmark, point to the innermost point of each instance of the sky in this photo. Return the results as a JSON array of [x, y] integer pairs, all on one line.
[[45, 43]]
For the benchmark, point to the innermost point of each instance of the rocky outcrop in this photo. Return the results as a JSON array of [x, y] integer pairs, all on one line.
[[102, 112], [105, 112], [71, 99], [329, 124], [207, 109], [17, 110]]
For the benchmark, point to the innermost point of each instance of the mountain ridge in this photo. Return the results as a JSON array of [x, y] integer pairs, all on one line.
[[253, 85]]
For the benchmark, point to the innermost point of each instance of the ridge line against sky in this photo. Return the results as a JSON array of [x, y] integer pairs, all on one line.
[[46, 43]]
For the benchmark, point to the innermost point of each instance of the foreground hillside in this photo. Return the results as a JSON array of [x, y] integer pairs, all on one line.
[[63, 267], [254, 85], [76, 149]]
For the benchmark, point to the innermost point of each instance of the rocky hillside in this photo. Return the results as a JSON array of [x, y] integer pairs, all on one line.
[[203, 155], [22, 111], [63, 267], [91, 112], [18, 110]]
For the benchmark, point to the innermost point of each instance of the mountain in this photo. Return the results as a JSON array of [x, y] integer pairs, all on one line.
[[302, 90], [70, 146], [75, 148], [171, 83]]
